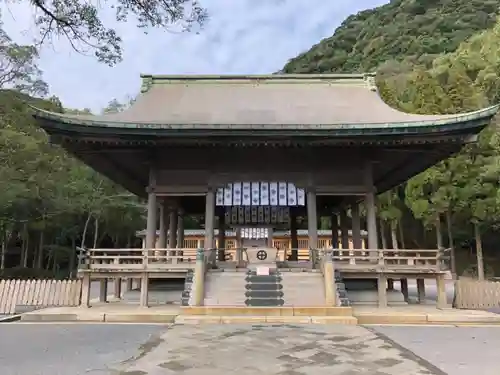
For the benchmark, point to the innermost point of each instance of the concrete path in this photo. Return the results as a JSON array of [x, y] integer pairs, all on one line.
[[455, 350], [285, 350], [69, 349], [127, 349]]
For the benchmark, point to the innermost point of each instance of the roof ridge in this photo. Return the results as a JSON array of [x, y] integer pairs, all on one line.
[[367, 79]]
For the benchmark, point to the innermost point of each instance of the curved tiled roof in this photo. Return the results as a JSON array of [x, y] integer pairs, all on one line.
[[261, 102]]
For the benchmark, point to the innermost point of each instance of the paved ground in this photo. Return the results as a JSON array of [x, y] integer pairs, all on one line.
[[125, 349], [285, 350], [69, 349], [455, 350]]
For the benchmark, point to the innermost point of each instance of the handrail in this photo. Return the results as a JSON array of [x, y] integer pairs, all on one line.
[[164, 258]]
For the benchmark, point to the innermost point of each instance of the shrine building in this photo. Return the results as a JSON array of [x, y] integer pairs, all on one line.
[[266, 152]]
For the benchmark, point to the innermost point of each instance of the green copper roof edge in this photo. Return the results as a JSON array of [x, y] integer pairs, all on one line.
[[461, 118], [277, 77]]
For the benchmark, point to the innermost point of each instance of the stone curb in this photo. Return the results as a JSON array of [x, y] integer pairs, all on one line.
[[235, 319], [100, 318]]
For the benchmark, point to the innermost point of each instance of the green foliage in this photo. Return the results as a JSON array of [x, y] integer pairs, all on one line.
[[51, 202], [403, 30], [81, 24], [18, 67]]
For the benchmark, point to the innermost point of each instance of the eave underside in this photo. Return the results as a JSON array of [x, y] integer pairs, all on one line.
[[394, 160]]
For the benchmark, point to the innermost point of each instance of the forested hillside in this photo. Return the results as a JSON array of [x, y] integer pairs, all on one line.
[[431, 57], [409, 30]]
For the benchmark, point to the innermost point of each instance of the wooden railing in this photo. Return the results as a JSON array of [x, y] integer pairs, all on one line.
[[137, 259], [164, 259], [436, 259]]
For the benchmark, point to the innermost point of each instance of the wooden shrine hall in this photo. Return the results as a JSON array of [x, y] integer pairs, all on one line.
[[264, 151]]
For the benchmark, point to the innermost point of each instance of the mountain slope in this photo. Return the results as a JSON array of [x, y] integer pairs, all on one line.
[[403, 29]]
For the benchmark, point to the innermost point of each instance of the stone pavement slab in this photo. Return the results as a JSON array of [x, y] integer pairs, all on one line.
[[105, 312], [69, 349], [455, 350], [273, 350]]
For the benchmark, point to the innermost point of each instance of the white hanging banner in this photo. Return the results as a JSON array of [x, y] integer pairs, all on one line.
[[247, 198], [255, 194], [219, 197], [264, 194], [237, 194], [273, 193], [301, 197], [228, 195], [258, 194]]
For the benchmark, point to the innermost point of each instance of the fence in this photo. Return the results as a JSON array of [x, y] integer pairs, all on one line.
[[475, 294], [38, 293]]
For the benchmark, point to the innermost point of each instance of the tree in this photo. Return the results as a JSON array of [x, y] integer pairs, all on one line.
[[18, 67], [81, 24]]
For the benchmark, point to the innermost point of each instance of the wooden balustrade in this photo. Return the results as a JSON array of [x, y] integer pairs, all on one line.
[[435, 259], [137, 259], [165, 259]]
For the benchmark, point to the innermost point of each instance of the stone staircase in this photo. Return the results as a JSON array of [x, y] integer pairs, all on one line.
[[264, 290], [303, 288], [342, 298], [225, 288]]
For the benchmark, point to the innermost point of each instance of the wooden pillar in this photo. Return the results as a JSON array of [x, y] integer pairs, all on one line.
[[209, 222], [382, 290], [294, 253], [356, 227], [221, 253], [421, 290], [335, 231], [239, 247], [441, 292], [344, 229], [150, 235], [180, 228], [172, 230], [404, 288], [312, 219], [312, 226], [164, 224], [371, 214]]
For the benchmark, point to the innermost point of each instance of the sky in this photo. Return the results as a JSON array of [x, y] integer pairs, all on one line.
[[241, 37]]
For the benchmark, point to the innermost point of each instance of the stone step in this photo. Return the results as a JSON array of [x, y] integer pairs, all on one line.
[[264, 294], [263, 287], [265, 302]]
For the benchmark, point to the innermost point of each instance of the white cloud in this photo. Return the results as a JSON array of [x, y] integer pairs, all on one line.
[[242, 36]]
